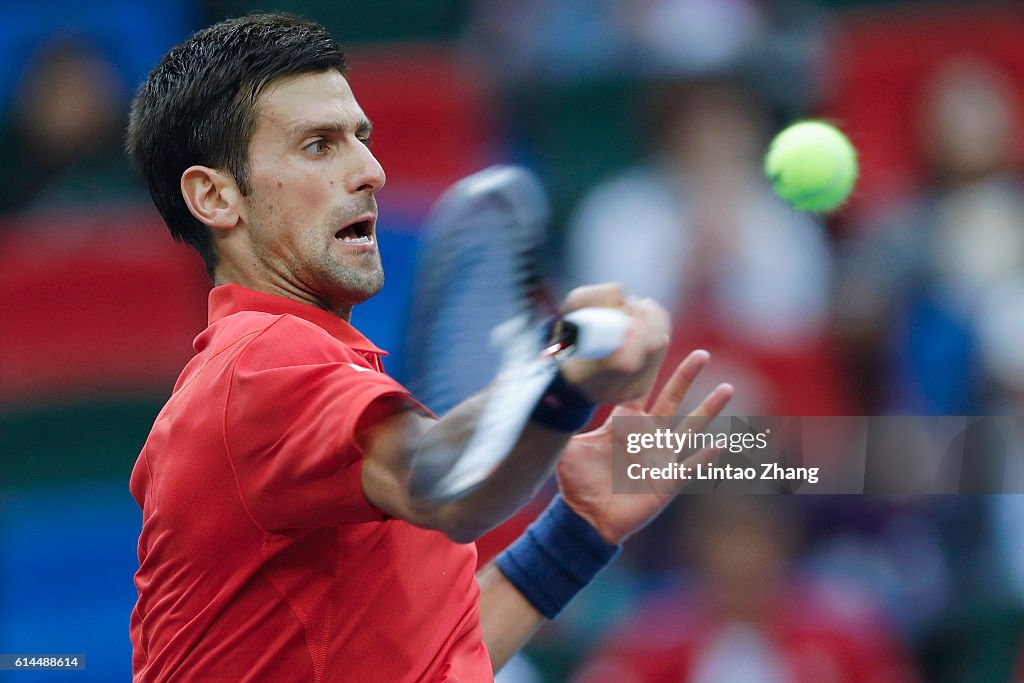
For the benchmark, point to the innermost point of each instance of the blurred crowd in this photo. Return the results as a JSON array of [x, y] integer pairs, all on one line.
[[910, 302]]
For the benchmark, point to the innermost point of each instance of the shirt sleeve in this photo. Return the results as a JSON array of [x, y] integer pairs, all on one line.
[[290, 433]]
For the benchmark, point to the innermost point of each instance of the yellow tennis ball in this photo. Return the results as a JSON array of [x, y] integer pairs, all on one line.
[[812, 165]]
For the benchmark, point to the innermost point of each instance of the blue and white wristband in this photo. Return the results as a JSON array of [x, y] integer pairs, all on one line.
[[555, 558]]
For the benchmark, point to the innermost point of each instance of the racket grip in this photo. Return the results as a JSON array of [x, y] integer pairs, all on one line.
[[599, 331]]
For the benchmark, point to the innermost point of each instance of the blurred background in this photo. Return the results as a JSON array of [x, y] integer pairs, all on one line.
[[648, 120]]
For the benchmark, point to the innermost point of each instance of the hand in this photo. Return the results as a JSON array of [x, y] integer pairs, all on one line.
[[585, 470], [628, 372]]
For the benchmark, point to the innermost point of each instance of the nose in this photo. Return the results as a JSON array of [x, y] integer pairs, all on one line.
[[367, 173]]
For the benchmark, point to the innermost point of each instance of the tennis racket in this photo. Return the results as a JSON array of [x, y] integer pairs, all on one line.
[[480, 309]]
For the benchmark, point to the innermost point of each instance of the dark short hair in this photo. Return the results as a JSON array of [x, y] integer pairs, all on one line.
[[198, 106]]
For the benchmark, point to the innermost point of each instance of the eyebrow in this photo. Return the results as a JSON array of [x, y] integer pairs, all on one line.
[[362, 126]]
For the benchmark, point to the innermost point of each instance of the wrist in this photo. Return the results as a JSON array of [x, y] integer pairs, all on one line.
[[555, 558], [563, 407], [608, 538]]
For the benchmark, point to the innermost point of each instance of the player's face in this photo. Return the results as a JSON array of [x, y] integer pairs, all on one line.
[[311, 212]]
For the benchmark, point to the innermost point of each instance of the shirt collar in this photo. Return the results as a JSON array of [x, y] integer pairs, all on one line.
[[228, 299]]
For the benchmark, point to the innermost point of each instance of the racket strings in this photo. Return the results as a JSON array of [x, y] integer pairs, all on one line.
[[477, 269]]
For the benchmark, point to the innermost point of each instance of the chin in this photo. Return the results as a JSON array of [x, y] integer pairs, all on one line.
[[353, 293]]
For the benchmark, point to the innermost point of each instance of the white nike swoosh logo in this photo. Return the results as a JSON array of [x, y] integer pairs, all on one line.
[[359, 368]]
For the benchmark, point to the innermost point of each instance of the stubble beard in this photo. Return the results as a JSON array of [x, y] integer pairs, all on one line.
[[356, 277], [338, 280], [353, 284], [338, 283]]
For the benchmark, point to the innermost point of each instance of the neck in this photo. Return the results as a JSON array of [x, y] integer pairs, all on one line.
[[225, 274]]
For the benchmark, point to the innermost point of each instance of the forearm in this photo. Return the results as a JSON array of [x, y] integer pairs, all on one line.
[[514, 483], [406, 459], [537, 576], [507, 618], [397, 442]]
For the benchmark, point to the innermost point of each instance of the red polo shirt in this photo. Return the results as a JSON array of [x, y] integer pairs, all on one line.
[[260, 557]]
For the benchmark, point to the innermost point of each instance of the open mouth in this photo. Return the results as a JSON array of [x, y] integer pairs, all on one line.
[[360, 232]]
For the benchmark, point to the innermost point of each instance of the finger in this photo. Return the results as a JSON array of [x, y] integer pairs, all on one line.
[[646, 338], [702, 457], [654, 321], [709, 408], [678, 385], [700, 418], [608, 294], [715, 402], [640, 404]]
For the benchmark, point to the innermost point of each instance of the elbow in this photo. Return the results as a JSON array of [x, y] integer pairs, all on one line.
[[467, 519], [465, 533], [464, 530], [455, 521]]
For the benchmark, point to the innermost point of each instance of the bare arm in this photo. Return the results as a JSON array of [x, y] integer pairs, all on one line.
[[392, 444], [506, 618]]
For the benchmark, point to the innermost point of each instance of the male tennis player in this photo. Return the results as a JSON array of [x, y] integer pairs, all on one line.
[[280, 541]]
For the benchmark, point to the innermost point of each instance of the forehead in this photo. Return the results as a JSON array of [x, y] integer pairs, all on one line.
[[324, 97]]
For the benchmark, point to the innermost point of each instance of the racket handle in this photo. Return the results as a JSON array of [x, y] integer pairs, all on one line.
[[599, 331]]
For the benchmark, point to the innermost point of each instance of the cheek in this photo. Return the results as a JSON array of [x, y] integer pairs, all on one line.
[[290, 199], [274, 198], [305, 194]]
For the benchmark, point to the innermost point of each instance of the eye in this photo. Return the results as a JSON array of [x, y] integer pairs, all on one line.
[[365, 139], [318, 147]]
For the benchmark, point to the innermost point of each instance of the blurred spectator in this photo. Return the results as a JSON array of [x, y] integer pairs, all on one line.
[[896, 548], [1000, 323], [911, 290], [566, 39], [697, 228], [938, 564], [1000, 330], [62, 142], [569, 40], [746, 616]]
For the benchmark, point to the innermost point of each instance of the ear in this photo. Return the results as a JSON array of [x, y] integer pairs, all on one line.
[[212, 196]]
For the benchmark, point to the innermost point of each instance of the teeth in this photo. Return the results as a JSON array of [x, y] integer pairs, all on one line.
[[357, 240]]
